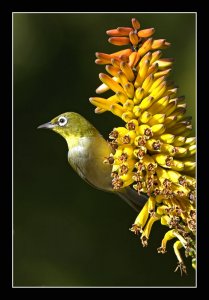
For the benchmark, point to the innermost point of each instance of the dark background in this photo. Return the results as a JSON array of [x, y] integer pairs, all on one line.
[[65, 232]]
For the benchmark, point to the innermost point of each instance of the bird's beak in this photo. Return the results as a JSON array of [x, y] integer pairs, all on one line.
[[47, 126]]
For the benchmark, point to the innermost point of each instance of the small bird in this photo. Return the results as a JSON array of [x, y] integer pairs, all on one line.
[[87, 150]]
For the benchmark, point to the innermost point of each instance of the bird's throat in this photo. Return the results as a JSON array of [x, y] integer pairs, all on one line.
[[73, 141]]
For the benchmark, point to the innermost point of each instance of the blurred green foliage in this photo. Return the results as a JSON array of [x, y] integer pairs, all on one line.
[[65, 232]]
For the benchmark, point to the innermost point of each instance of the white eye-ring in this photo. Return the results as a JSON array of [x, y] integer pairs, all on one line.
[[62, 121]]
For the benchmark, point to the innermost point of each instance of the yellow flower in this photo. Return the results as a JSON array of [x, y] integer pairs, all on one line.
[[153, 151]]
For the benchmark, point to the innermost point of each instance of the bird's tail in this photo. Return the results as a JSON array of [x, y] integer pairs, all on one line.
[[131, 197]]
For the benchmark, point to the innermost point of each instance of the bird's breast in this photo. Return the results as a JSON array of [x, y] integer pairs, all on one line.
[[86, 156]]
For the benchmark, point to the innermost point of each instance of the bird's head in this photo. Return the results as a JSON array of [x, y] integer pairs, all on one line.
[[70, 124]]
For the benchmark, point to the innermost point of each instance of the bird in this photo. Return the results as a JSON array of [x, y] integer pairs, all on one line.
[[87, 150]]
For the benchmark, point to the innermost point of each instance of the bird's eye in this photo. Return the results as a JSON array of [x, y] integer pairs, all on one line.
[[62, 121]]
